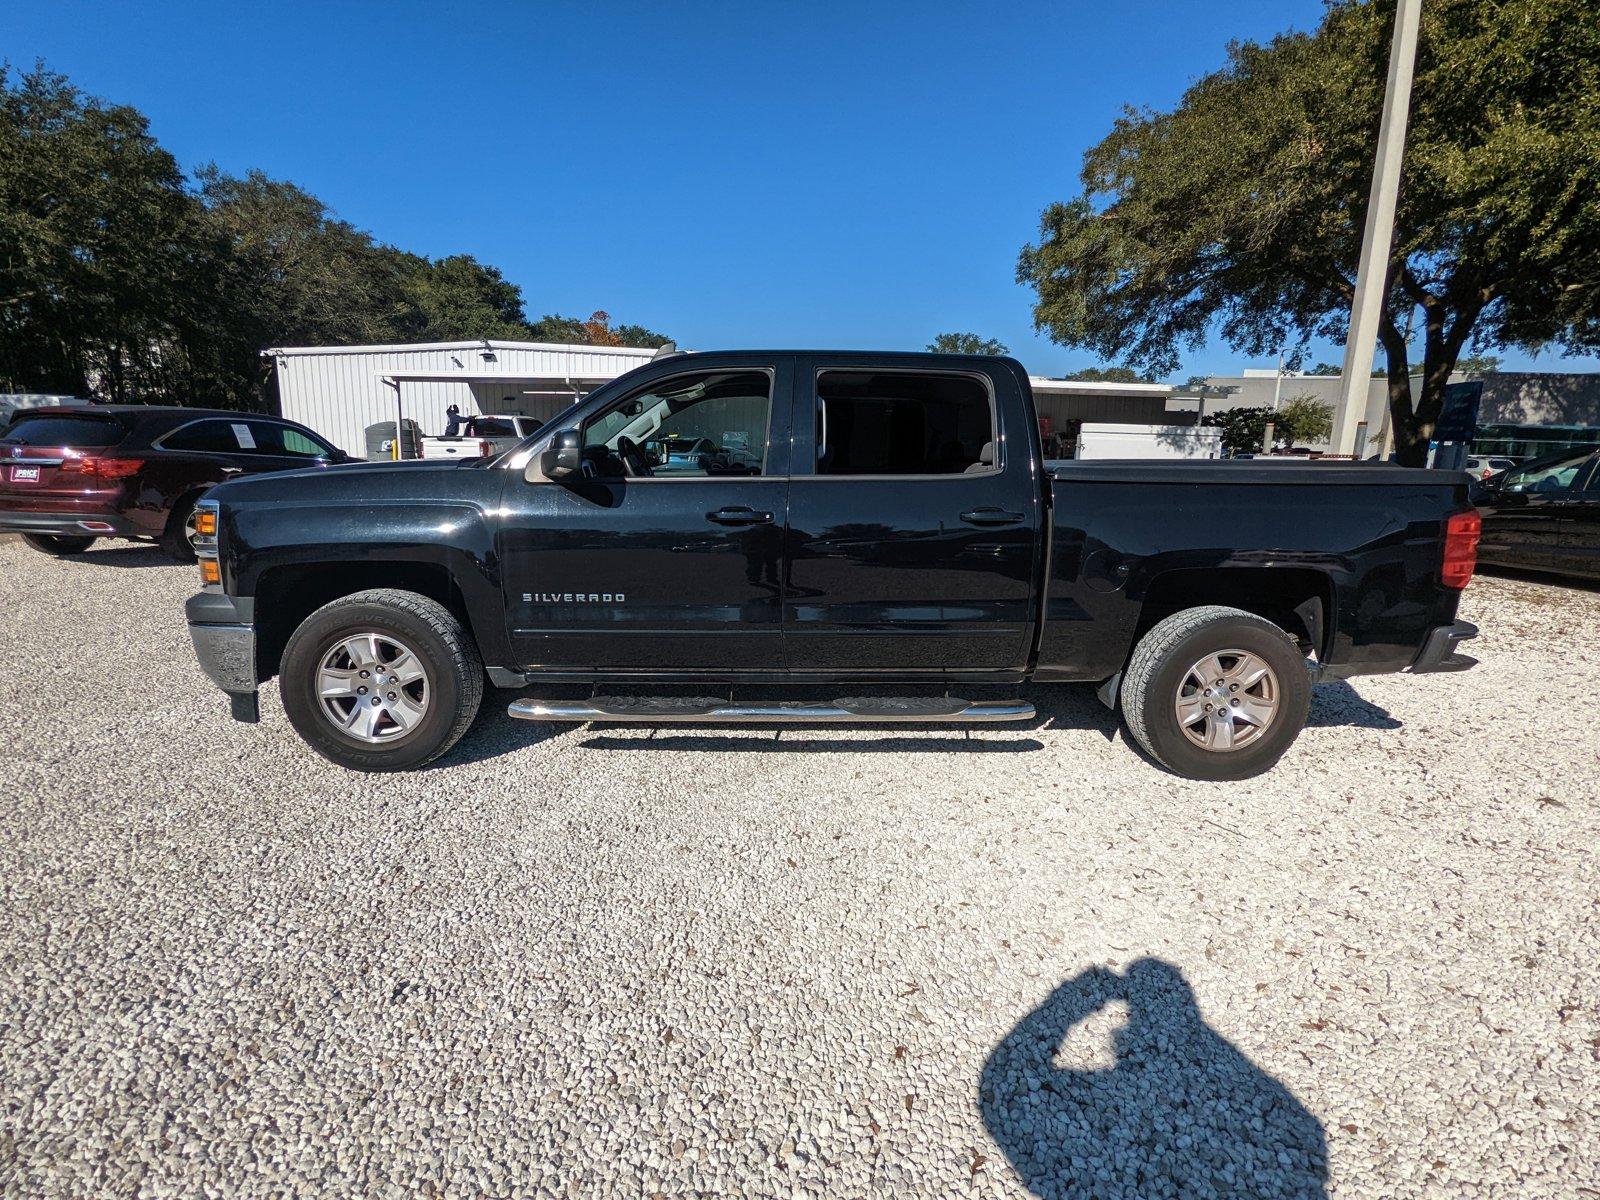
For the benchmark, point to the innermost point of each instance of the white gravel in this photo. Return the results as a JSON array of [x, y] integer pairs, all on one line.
[[579, 961]]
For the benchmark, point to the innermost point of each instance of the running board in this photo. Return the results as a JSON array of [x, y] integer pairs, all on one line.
[[701, 710]]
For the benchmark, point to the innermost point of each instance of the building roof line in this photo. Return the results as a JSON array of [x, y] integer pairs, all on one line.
[[643, 352], [1041, 383]]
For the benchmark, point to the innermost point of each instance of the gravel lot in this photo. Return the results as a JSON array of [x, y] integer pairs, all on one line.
[[586, 961]]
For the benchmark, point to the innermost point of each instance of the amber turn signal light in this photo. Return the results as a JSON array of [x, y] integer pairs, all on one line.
[[210, 571], [205, 523]]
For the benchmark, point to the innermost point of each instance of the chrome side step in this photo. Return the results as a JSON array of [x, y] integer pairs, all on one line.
[[703, 710]]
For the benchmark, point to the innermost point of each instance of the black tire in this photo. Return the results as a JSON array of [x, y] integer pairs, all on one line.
[[175, 537], [446, 650], [55, 546], [1162, 661]]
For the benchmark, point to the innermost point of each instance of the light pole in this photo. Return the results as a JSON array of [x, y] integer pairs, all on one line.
[[1378, 237]]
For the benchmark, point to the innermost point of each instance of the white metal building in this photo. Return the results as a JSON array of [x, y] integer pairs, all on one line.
[[342, 391]]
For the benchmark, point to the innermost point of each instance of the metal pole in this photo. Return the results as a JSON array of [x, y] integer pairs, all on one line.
[[1277, 383], [1378, 237]]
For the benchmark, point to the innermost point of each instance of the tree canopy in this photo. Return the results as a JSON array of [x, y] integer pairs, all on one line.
[[1108, 375], [966, 343], [123, 279], [1241, 210]]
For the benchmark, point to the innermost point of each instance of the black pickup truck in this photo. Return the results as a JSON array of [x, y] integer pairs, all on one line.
[[868, 520]]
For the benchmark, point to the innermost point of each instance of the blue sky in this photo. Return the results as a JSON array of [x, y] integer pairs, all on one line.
[[824, 174]]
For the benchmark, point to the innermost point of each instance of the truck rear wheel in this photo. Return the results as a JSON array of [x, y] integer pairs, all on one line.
[[1216, 693], [382, 680]]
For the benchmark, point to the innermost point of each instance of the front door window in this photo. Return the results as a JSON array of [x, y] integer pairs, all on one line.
[[708, 424]]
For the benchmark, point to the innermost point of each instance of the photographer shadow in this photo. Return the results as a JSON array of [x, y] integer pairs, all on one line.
[[1180, 1111]]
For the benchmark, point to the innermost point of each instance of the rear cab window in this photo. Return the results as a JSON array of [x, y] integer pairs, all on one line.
[[78, 430], [492, 427]]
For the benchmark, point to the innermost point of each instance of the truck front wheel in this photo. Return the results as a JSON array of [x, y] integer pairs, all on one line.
[[382, 680], [1216, 693]]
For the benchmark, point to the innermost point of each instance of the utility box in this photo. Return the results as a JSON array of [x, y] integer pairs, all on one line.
[[380, 441], [1098, 439]]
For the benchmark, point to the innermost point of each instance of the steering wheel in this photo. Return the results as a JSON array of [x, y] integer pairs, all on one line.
[[635, 463]]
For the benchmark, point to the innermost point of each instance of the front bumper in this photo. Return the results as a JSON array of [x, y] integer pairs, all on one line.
[[68, 524], [223, 631], [1438, 652]]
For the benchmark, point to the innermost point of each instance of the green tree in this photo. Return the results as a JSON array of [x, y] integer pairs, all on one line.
[[575, 331], [966, 343], [1241, 210], [103, 259], [123, 280], [1476, 366], [458, 297], [1304, 419], [1242, 428], [640, 337], [1108, 375]]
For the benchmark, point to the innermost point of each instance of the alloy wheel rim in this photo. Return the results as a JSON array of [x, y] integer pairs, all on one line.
[[1227, 701], [373, 687]]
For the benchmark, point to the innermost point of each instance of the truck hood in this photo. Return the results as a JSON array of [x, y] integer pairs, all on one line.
[[349, 482]]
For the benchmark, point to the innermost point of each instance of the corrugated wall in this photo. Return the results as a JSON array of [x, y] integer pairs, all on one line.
[[1123, 409], [340, 394]]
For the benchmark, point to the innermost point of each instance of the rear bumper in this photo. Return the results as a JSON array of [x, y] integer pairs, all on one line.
[[1438, 652], [223, 631], [68, 524]]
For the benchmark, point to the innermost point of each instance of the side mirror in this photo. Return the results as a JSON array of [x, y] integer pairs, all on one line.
[[564, 457]]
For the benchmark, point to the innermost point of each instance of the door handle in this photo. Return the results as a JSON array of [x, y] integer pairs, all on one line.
[[739, 516], [990, 516]]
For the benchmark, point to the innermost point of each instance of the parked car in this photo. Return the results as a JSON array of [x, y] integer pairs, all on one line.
[[1487, 466], [70, 475], [899, 527], [481, 437], [1544, 515]]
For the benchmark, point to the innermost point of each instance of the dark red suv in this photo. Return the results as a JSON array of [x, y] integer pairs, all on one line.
[[71, 475]]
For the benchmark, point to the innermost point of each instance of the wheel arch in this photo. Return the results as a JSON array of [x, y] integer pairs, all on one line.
[[1299, 600], [285, 595]]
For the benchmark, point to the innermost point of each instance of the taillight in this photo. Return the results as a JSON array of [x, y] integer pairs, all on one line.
[[103, 468], [1461, 533], [484, 447]]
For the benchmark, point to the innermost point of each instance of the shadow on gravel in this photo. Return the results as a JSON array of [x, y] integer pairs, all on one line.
[[494, 733], [1058, 706], [1337, 703], [1525, 575], [124, 556], [1180, 1111]]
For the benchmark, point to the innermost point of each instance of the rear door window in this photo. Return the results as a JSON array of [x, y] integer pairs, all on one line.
[[903, 423], [272, 438], [206, 437], [78, 431]]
